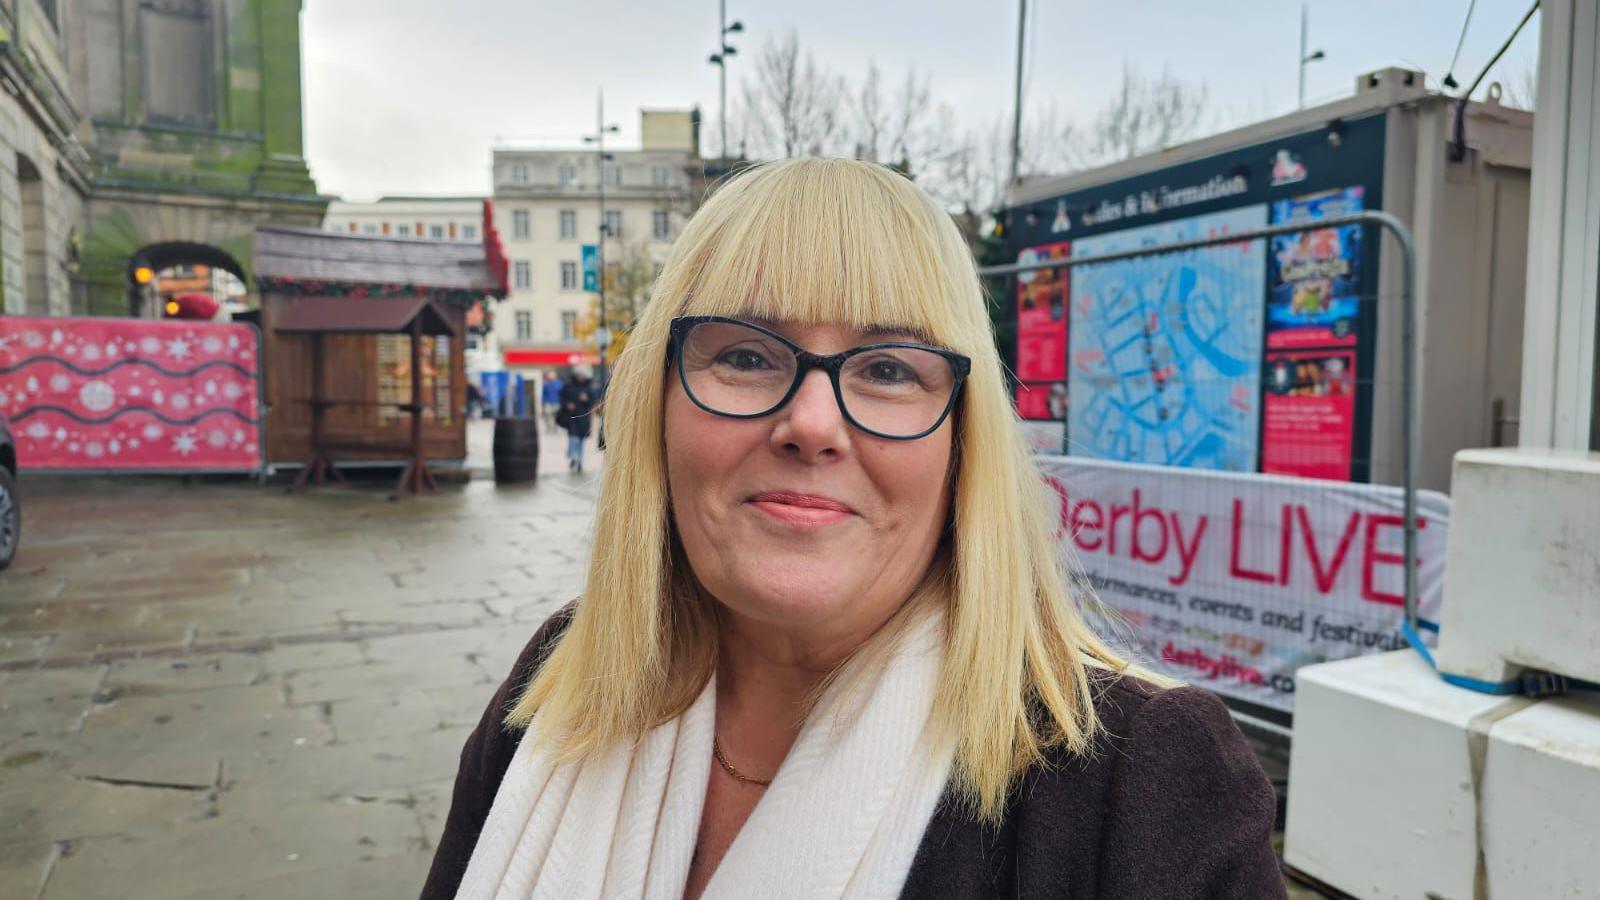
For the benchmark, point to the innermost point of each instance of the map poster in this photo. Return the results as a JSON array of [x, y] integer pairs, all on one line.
[[1042, 317], [1308, 415], [1314, 300], [1165, 350]]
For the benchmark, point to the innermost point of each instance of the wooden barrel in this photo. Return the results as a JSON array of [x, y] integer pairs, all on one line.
[[516, 450]]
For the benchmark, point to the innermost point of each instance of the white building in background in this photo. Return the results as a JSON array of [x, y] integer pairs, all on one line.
[[547, 207], [428, 218], [457, 219]]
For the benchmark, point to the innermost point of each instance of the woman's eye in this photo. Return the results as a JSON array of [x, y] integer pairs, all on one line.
[[888, 371], [744, 360]]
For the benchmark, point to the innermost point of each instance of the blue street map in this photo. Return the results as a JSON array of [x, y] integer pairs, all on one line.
[[1164, 365]]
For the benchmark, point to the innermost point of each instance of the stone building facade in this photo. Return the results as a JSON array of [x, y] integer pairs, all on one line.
[[144, 132]]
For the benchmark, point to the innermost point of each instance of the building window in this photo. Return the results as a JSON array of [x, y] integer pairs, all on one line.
[[178, 56], [569, 276], [569, 223], [519, 174], [658, 176], [566, 175], [569, 325], [661, 224], [405, 231], [613, 176], [369, 229], [524, 325], [524, 274], [469, 232], [519, 223], [614, 222], [436, 232]]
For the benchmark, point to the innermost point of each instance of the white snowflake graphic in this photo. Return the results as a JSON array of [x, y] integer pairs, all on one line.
[[133, 442], [232, 391], [38, 431], [33, 340], [61, 434], [112, 349], [5, 342], [91, 353], [136, 391], [212, 345], [32, 385], [94, 450], [150, 345], [211, 388], [233, 342], [178, 348], [115, 446], [56, 336], [158, 398], [184, 444], [152, 431], [180, 401], [217, 439], [59, 382], [97, 396]]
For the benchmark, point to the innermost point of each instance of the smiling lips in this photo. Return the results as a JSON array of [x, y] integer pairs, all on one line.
[[806, 510]]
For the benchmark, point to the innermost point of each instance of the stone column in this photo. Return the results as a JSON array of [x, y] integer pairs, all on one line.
[[283, 171]]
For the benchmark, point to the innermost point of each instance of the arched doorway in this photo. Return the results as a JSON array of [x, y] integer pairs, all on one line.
[[35, 241], [159, 272]]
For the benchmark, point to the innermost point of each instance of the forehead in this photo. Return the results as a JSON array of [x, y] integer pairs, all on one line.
[[805, 333]]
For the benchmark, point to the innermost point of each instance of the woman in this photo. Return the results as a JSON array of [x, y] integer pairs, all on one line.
[[578, 399], [825, 647]]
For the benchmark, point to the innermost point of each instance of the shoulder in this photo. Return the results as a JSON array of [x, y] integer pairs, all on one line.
[[1171, 797], [1166, 735]]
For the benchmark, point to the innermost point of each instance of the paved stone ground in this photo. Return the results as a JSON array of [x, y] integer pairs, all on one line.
[[217, 690], [220, 690]]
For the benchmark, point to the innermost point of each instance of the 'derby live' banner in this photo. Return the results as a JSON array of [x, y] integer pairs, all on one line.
[[1235, 581], [131, 394]]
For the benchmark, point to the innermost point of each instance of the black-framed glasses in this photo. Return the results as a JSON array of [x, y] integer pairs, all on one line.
[[898, 390]]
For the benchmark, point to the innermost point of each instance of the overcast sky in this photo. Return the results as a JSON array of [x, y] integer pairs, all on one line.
[[409, 96]]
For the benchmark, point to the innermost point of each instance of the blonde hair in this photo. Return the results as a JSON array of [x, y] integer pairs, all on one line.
[[829, 241]]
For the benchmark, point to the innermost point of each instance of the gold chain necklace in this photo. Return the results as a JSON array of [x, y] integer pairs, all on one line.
[[716, 750]]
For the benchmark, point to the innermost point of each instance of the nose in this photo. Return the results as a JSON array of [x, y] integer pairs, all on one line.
[[811, 425]]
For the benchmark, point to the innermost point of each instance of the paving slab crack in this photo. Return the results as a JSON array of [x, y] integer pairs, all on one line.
[[153, 785], [59, 850]]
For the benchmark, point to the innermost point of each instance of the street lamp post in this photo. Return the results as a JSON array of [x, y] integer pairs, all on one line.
[[720, 60], [1311, 57], [602, 333]]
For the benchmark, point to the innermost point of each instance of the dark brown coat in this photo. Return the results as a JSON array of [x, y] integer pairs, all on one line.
[[1172, 804]]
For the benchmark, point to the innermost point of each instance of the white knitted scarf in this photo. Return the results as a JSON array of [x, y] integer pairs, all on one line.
[[843, 817]]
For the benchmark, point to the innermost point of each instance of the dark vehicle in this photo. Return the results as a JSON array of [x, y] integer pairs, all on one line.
[[10, 505]]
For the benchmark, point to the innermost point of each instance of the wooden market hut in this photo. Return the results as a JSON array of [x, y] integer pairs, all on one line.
[[347, 294]]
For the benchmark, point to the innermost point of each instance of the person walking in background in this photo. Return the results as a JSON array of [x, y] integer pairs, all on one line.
[[578, 398], [550, 399]]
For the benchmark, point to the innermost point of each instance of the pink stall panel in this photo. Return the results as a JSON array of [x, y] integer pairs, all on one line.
[[99, 394]]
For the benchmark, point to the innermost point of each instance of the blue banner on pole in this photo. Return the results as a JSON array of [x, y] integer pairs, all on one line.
[[591, 267]]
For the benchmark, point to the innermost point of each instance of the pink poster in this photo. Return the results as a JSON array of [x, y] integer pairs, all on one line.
[[1308, 421], [1042, 316], [131, 394]]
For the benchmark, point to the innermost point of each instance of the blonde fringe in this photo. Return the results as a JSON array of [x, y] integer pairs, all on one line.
[[811, 241]]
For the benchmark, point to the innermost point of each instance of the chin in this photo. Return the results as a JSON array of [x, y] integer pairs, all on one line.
[[801, 594]]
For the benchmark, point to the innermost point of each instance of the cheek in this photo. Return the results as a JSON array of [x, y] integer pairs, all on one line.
[[702, 450]]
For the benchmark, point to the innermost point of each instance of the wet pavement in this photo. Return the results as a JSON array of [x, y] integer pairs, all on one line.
[[217, 689], [220, 690]]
